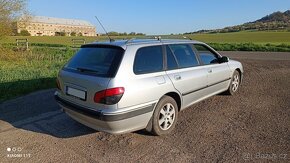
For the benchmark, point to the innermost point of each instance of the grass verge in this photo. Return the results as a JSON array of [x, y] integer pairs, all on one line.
[[28, 71], [251, 47]]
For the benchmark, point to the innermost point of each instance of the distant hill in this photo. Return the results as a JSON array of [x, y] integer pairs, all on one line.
[[276, 16], [275, 21]]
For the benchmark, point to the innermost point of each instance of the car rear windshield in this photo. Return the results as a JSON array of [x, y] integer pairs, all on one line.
[[97, 60]]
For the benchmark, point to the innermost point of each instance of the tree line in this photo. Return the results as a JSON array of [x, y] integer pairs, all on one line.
[[113, 33]]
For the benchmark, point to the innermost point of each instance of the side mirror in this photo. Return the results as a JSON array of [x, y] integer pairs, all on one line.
[[224, 59]]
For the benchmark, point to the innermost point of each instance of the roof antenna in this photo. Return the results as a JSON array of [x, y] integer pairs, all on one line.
[[111, 40]]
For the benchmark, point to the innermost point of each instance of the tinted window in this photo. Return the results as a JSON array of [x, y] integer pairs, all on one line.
[[148, 59], [206, 56], [184, 55], [171, 62], [96, 60]]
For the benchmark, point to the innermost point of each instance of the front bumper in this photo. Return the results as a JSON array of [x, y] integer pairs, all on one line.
[[111, 123]]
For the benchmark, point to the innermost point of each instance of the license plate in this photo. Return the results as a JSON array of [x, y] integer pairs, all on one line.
[[76, 93]]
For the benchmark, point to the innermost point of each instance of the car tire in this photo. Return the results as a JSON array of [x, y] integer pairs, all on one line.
[[165, 116], [235, 83]]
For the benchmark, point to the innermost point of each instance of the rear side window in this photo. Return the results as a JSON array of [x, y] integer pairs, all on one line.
[[206, 55], [148, 60], [96, 60], [171, 61], [184, 55]]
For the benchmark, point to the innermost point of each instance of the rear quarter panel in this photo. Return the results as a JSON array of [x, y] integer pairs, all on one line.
[[139, 89]]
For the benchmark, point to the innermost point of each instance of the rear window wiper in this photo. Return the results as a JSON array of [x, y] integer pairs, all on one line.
[[81, 69]]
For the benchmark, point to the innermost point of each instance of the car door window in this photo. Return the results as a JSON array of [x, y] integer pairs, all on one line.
[[184, 55], [148, 60], [171, 60], [206, 55]]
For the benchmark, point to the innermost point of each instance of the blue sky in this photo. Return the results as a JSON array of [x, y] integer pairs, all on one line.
[[159, 16]]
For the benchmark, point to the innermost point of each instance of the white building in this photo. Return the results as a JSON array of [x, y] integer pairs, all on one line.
[[48, 26]]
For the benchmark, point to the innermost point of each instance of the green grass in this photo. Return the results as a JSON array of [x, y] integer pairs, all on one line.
[[235, 37], [28, 71], [57, 39], [25, 72], [244, 37], [251, 47], [46, 39]]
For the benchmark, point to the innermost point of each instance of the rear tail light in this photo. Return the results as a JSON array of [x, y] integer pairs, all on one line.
[[58, 84], [109, 96]]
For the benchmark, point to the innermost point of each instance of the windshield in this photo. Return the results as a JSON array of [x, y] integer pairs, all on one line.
[[96, 60]]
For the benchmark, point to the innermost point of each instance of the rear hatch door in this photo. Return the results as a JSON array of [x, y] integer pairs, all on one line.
[[88, 72]]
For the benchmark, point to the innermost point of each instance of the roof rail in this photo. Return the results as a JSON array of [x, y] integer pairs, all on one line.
[[129, 40], [143, 39], [171, 37], [157, 38], [187, 37]]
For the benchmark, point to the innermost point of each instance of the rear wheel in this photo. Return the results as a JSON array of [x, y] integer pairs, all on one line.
[[235, 83], [165, 116]]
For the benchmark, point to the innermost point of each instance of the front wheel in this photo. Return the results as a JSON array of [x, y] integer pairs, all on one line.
[[165, 116], [235, 83]]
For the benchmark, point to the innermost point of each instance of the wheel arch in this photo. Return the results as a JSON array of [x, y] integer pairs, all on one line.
[[241, 74], [176, 97], [173, 95]]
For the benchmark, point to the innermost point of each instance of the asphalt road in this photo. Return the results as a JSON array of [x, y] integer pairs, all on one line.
[[252, 126]]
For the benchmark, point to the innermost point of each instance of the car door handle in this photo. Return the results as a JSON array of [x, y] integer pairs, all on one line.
[[209, 70], [177, 77]]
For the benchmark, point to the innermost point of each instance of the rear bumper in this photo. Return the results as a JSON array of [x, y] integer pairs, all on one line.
[[111, 123]]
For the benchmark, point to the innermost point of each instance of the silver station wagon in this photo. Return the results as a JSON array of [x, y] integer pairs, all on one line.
[[128, 85]]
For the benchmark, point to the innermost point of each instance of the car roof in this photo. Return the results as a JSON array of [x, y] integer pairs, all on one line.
[[124, 43]]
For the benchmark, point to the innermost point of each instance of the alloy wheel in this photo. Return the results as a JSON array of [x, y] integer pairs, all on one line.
[[166, 116], [235, 83]]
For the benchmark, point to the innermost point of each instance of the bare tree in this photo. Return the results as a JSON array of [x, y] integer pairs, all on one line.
[[10, 11]]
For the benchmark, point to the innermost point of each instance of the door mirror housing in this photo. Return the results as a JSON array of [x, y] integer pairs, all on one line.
[[224, 59]]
